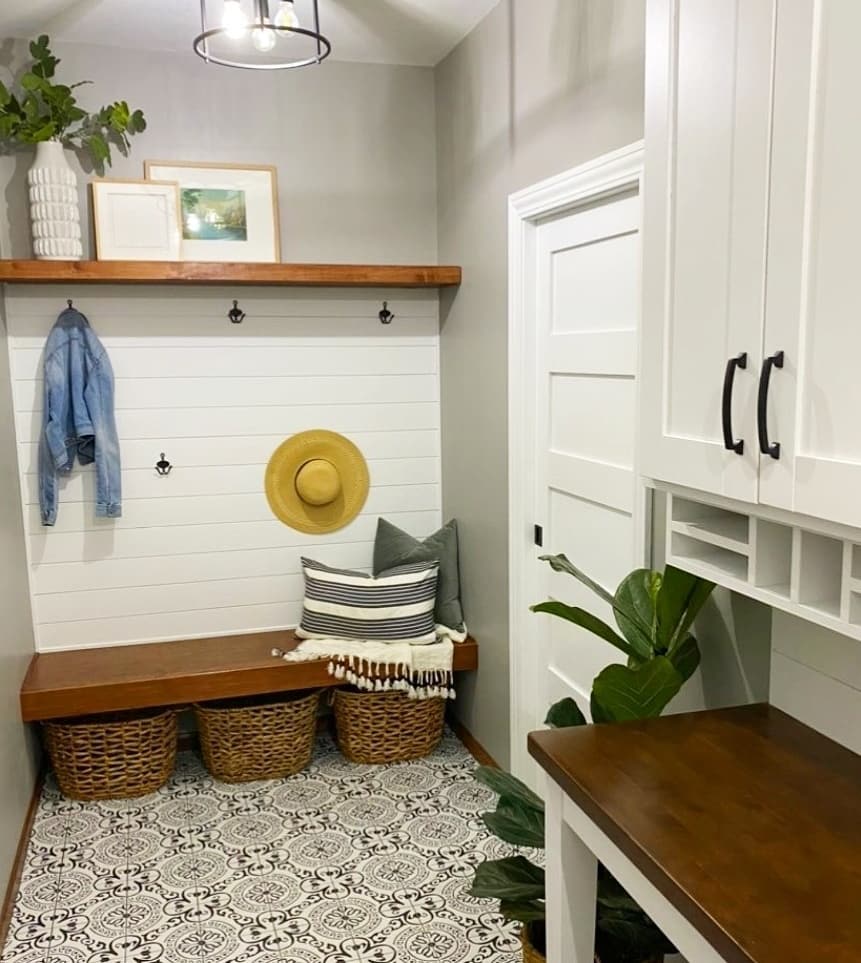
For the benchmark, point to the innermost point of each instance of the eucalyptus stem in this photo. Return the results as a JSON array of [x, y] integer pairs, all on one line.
[[43, 110]]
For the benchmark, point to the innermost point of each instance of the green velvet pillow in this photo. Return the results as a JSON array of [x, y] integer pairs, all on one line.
[[395, 547]]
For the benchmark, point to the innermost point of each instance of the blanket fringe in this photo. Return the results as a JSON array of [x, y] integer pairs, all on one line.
[[381, 674]]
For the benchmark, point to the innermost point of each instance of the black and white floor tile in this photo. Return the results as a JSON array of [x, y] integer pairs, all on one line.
[[342, 863]]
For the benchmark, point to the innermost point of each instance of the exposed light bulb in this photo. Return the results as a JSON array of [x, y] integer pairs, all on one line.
[[263, 38], [286, 16], [234, 20]]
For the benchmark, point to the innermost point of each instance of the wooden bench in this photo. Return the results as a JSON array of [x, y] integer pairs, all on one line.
[[90, 681]]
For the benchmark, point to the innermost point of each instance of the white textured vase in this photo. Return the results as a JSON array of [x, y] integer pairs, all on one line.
[[54, 214]]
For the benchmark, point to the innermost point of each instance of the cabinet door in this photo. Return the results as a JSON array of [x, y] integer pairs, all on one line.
[[708, 116], [813, 297]]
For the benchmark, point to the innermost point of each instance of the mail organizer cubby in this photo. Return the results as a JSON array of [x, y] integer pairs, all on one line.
[[814, 574]]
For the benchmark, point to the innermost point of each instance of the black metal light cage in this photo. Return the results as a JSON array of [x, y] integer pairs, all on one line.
[[260, 21]]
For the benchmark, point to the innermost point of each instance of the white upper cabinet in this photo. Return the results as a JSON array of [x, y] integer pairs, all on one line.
[[752, 207], [813, 293], [708, 122]]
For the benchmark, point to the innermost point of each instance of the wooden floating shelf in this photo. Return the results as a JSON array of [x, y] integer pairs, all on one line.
[[211, 272]]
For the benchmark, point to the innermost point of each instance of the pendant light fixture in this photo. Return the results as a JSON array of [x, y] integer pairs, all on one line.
[[247, 34]]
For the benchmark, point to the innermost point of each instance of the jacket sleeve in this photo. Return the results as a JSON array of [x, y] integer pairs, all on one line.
[[47, 483], [54, 414], [53, 452], [100, 402]]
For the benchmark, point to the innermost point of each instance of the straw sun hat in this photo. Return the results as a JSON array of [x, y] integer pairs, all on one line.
[[317, 481]]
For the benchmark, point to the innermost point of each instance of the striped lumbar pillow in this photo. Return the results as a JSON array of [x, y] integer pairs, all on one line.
[[395, 607]]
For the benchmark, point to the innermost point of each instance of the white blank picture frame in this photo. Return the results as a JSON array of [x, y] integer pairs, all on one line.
[[137, 220]]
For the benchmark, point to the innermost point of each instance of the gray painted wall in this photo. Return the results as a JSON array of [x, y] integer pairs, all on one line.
[[355, 149], [17, 755], [353, 143], [538, 87]]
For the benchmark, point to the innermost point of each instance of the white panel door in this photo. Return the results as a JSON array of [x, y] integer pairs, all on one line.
[[813, 304], [708, 103], [588, 308]]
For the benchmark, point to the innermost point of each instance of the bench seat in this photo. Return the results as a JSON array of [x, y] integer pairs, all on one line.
[[82, 682]]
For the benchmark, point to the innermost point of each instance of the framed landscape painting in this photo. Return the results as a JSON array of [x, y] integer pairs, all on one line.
[[228, 212]]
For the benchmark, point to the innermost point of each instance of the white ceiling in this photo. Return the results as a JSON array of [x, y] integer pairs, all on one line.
[[416, 32]]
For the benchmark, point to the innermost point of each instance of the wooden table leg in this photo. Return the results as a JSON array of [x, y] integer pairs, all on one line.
[[572, 880]]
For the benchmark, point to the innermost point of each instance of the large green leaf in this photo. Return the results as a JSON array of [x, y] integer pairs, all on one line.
[[509, 786], [621, 606], [680, 599], [599, 713], [621, 693], [513, 878], [611, 893], [561, 563], [585, 620], [636, 610], [516, 824], [524, 911], [565, 714], [686, 657]]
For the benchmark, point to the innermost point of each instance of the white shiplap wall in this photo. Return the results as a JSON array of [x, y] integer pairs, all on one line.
[[199, 553], [816, 677]]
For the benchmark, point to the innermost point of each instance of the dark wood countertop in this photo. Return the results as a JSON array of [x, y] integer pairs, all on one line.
[[109, 679], [747, 821]]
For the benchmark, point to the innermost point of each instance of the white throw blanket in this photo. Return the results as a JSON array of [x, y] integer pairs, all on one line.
[[421, 671]]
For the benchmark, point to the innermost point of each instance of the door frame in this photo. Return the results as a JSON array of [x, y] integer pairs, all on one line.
[[613, 173]]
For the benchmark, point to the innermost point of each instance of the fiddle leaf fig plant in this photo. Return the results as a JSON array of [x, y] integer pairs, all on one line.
[[43, 110], [654, 613]]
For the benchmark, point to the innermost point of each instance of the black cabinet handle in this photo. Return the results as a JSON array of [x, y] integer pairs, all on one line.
[[765, 446], [740, 361]]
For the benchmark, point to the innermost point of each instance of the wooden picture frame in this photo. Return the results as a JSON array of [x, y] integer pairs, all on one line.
[[136, 220], [228, 212]]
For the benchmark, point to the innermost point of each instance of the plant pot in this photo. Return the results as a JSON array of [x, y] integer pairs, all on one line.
[[533, 955], [530, 953], [54, 215]]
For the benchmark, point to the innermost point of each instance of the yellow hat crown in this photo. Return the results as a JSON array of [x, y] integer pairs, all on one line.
[[318, 482]]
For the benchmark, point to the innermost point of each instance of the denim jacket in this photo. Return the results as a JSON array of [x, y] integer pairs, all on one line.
[[78, 416]]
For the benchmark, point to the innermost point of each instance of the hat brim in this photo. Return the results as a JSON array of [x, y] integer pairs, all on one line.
[[280, 481]]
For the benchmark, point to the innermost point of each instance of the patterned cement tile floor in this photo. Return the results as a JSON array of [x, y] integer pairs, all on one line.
[[342, 863]]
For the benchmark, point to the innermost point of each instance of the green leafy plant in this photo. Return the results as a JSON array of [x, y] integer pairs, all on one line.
[[654, 613], [43, 110]]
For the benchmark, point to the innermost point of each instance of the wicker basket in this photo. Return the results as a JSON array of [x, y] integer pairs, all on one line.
[[244, 740], [383, 727], [113, 757]]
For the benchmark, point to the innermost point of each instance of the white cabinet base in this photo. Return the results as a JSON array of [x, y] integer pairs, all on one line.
[[574, 847]]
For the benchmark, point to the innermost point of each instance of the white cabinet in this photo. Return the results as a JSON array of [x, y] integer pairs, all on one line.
[[708, 119], [813, 294], [752, 204]]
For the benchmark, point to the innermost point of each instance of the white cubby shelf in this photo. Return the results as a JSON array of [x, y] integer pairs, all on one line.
[[809, 569]]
